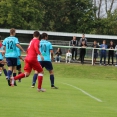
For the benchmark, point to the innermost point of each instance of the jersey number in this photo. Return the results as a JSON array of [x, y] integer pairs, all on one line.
[[10, 44], [43, 48]]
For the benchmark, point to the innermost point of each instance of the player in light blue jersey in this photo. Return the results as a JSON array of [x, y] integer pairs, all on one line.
[[18, 61], [11, 55], [2, 62], [47, 52]]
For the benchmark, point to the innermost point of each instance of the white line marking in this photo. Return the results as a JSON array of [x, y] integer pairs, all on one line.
[[84, 92]]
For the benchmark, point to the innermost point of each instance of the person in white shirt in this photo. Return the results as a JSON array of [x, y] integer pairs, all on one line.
[[68, 56]]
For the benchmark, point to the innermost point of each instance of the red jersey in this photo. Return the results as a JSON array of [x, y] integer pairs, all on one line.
[[33, 49]]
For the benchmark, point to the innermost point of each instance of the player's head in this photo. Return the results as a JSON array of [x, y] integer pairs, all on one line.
[[12, 32], [44, 36], [36, 34]]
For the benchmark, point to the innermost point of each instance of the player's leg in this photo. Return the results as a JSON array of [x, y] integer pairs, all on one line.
[[34, 79], [37, 67], [10, 69], [5, 72], [27, 69], [19, 71], [49, 67], [36, 75]]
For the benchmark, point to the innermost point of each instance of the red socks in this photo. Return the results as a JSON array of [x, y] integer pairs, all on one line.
[[22, 75], [40, 79]]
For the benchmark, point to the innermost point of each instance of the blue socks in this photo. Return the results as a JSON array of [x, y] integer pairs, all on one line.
[[9, 73], [34, 78], [5, 72], [52, 80]]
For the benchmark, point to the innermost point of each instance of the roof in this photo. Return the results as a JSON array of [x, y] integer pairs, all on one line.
[[62, 34]]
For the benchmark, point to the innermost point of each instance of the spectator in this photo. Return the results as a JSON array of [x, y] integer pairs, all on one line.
[[83, 51], [111, 52], [58, 55], [95, 45], [103, 52], [74, 43], [68, 56], [81, 40], [116, 54]]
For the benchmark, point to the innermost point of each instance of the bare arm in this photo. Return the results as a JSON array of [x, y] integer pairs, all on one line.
[[18, 45], [51, 51]]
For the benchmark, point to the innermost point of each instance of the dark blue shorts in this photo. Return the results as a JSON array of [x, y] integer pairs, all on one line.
[[95, 55], [1, 65], [18, 67], [47, 65], [11, 62]]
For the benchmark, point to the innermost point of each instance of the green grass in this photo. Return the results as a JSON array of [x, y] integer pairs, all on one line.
[[98, 81]]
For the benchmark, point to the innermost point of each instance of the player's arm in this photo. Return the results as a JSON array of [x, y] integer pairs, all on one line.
[[20, 47], [36, 46], [21, 58], [52, 57]]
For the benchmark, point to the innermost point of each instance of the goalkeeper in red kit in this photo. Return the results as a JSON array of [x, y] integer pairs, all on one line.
[[31, 62]]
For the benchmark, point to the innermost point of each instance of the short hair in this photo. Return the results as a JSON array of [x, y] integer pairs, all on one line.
[[36, 34], [43, 35], [104, 41], [12, 31]]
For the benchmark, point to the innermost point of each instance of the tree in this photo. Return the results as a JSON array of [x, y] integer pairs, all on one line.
[[21, 14], [68, 15]]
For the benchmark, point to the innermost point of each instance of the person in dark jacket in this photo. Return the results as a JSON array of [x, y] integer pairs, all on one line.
[[95, 45], [58, 55], [111, 52], [82, 51], [74, 43]]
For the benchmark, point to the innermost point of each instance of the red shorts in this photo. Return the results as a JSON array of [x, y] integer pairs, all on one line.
[[32, 64]]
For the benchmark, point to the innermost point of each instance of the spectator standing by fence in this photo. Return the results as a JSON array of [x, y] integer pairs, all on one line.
[[74, 43], [116, 55], [103, 52], [111, 52], [83, 51], [95, 45], [80, 42]]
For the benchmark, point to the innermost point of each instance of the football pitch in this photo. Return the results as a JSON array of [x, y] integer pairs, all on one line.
[[84, 91]]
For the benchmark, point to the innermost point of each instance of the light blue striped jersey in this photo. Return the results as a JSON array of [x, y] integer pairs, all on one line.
[[10, 44], [45, 47]]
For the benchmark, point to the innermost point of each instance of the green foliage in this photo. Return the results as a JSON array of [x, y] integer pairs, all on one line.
[[22, 14], [77, 16]]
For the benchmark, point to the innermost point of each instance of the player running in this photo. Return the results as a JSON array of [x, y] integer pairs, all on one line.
[[10, 43], [46, 49], [18, 68], [31, 61]]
